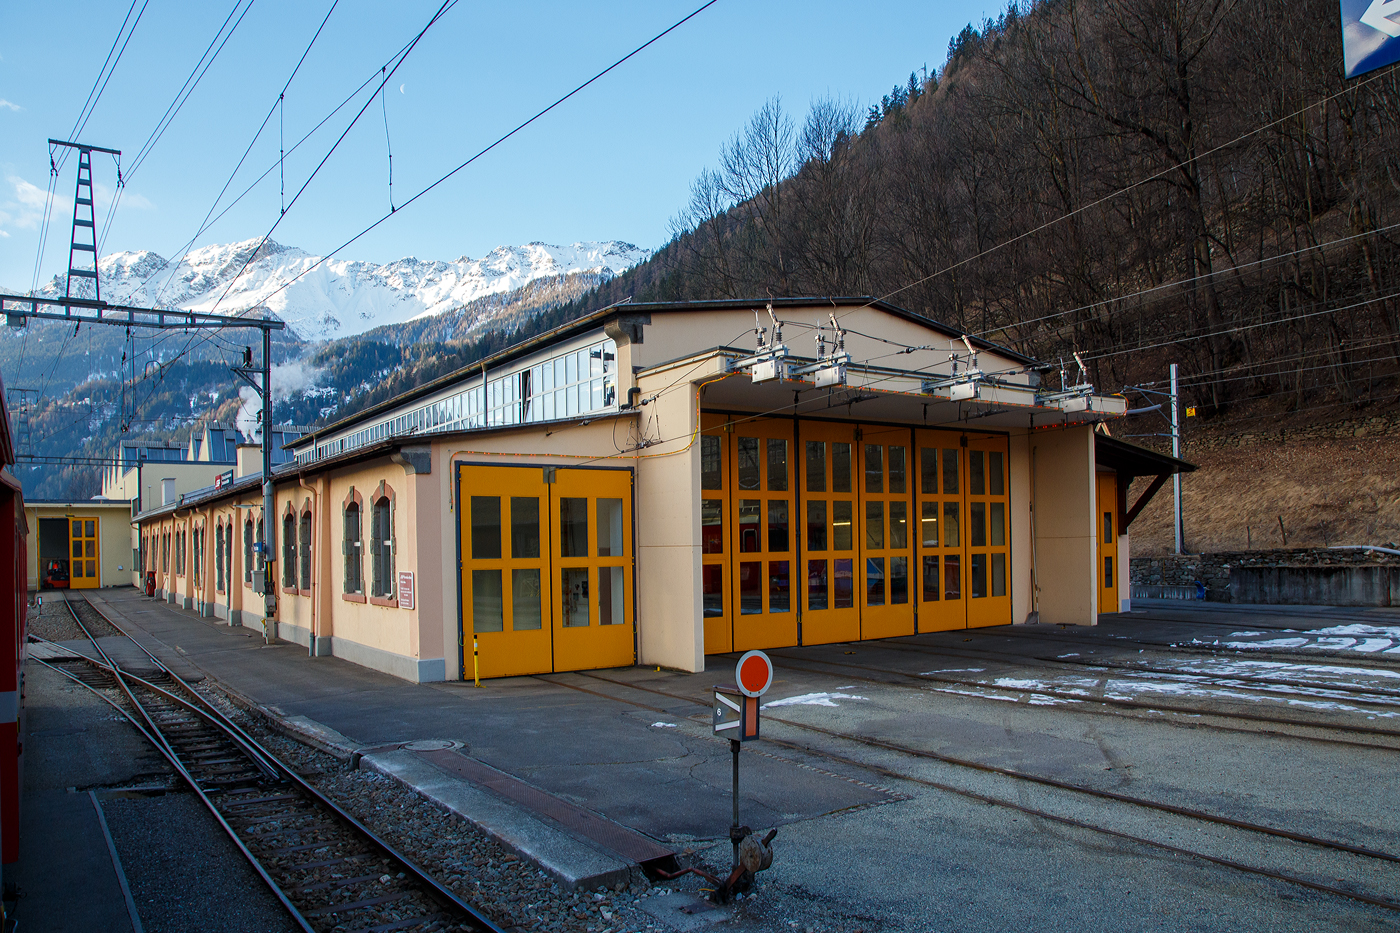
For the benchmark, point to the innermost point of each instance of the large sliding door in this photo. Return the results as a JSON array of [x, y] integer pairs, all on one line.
[[764, 607], [885, 551], [988, 534], [855, 531], [1106, 494], [546, 568], [940, 508], [964, 531], [82, 540], [592, 557], [715, 546], [506, 574], [830, 610]]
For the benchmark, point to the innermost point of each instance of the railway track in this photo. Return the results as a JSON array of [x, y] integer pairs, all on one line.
[[328, 870], [1342, 887], [1212, 649], [1087, 702]]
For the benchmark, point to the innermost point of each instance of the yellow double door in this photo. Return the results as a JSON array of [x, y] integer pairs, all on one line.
[[824, 532], [546, 557], [82, 544]]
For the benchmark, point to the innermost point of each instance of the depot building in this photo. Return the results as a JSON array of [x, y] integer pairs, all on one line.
[[658, 482]]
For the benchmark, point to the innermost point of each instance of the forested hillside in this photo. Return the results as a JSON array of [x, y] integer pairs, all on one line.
[[1144, 181]]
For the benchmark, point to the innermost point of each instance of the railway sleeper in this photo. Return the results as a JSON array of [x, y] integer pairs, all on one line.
[[334, 883], [358, 905]]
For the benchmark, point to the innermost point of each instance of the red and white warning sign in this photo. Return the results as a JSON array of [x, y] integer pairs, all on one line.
[[754, 674], [736, 707]]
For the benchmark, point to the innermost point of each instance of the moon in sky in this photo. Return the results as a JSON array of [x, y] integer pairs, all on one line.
[[401, 88]]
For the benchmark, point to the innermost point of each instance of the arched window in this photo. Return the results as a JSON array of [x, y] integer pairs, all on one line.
[[353, 581], [165, 552], [382, 548], [306, 550], [198, 542], [248, 550], [289, 550], [219, 556]]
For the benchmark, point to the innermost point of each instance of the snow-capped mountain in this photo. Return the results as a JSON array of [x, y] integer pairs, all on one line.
[[341, 297]]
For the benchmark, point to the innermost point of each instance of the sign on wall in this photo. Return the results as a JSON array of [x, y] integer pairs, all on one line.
[[1370, 35], [405, 589]]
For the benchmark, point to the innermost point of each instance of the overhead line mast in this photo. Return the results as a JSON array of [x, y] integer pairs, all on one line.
[[84, 219], [77, 307]]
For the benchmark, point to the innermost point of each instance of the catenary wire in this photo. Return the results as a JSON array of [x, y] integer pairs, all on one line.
[[397, 60], [442, 10], [201, 68], [502, 139], [185, 250], [95, 94], [1186, 281], [498, 142], [1120, 191], [276, 106]]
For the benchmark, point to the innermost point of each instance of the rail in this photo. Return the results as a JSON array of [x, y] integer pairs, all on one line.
[[327, 869]]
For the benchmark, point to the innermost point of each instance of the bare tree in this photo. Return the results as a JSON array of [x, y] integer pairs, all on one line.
[[753, 166]]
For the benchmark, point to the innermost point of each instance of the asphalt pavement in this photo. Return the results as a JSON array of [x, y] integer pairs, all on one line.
[[879, 762]]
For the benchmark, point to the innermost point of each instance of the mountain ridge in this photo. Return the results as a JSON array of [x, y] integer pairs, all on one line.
[[326, 299]]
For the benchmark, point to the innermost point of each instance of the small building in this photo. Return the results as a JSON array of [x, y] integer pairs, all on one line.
[[79, 543], [149, 474], [655, 483]]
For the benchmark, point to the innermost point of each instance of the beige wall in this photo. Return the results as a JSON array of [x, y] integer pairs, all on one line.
[[188, 477], [114, 537], [1021, 505], [671, 630], [676, 334], [1063, 465]]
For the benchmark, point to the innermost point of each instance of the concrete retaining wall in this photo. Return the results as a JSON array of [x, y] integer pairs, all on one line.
[[1316, 586], [1294, 576]]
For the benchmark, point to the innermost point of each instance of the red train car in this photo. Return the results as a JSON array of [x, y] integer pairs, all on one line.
[[14, 602]]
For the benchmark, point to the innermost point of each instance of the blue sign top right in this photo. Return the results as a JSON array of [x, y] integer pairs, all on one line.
[[1370, 34]]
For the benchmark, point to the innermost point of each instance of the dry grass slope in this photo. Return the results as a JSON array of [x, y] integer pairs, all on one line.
[[1326, 491]]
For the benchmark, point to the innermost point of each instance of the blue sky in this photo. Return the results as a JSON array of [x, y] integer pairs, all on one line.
[[615, 162]]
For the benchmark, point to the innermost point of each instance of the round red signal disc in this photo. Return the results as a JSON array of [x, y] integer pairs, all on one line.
[[754, 674]]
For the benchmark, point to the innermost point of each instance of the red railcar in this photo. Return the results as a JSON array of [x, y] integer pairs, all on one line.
[[14, 601]]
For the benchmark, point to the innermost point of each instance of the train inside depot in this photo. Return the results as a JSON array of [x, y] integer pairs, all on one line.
[[655, 483]]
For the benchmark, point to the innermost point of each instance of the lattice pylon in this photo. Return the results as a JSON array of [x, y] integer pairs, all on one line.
[[82, 253]]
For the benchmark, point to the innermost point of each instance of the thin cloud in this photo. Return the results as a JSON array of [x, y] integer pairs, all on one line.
[[8, 105], [24, 208]]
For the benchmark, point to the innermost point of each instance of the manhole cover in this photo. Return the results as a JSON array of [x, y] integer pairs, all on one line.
[[432, 745]]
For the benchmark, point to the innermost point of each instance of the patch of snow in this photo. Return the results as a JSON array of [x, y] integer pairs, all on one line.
[[813, 699], [663, 725], [954, 670], [1271, 643]]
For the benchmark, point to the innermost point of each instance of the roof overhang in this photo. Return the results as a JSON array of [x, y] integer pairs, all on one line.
[[991, 400], [601, 317], [1130, 461]]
